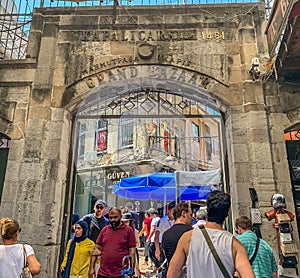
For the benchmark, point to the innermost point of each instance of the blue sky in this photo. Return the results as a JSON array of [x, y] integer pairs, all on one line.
[[28, 5]]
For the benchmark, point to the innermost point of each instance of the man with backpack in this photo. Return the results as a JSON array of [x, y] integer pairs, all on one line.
[[259, 252]]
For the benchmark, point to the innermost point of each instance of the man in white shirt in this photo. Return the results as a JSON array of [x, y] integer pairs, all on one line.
[[155, 220], [163, 225]]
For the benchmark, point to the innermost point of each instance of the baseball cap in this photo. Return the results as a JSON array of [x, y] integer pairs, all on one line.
[[101, 202]]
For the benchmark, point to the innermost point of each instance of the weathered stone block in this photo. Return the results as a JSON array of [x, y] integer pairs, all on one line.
[[249, 107], [53, 149], [242, 172], [47, 191], [246, 35], [39, 113], [240, 153], [248, 52], [122, 48], [50, 169], [7, 111], [57, 115], [29, 191], [106, 19], [256, 135], [152, 18], [50, 30], [30, 170], [127, 19], [55, 130], [41, 97], [82, 20], [32, 149]]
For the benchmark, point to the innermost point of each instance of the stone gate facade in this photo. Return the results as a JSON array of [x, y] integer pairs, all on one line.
[[202, 51]]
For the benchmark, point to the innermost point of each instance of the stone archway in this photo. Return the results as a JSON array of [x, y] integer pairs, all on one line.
[[131, 87]]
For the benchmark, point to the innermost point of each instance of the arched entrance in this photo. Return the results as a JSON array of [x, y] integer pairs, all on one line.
[[136, 121]]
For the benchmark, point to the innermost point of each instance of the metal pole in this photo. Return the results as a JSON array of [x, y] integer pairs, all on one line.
[[177, 187], [165, 201]]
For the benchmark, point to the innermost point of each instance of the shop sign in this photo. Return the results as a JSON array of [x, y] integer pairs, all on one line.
[[277, 19], [117, 175]]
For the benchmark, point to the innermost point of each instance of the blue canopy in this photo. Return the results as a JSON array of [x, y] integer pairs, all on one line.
[[161, 186]]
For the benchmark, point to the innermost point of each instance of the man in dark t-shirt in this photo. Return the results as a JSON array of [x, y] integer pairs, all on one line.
[[183, 222], [97, 220]]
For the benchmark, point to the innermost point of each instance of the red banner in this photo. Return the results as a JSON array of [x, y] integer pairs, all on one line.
[[102, 140]]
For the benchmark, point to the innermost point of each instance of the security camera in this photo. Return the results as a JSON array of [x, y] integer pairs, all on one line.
[[254, 70], [255, 62]]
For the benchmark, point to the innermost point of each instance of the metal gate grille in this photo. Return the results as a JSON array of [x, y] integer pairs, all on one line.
[[16, 15]]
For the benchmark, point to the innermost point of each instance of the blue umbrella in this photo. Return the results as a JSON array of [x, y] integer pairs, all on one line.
[[159, 186], [155, 186]]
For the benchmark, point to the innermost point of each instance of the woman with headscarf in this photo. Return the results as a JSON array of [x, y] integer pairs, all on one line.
[[78, 254], [12, 254]]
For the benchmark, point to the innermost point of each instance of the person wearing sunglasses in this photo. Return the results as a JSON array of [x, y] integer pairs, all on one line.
[[96, 221]]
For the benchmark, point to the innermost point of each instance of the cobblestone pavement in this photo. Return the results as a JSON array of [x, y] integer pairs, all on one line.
[[145, 271]]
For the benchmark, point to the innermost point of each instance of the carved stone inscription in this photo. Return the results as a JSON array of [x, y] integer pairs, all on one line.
[[160, 72], [99, 50], [150, 35], [138, 35]]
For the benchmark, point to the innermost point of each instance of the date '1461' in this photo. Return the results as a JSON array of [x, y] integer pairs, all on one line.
[[213, 35]]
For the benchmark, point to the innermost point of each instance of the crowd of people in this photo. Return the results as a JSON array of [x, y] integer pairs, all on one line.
[[105, 244]]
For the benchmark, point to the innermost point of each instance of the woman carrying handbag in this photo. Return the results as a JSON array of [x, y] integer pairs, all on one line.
[[15, 259]]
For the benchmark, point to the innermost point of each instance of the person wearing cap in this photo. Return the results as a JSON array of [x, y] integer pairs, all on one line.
[[96, 221], [129, 208], [128, 220]]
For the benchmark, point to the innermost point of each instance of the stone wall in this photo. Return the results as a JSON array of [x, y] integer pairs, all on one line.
[[79, 54]]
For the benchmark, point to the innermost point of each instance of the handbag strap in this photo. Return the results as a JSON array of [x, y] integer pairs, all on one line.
[[255, 252], [25, 256], [214, 252]]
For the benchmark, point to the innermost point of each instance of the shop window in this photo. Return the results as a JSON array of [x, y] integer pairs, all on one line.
[[82, 136], [195, 131], [208, 143]]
